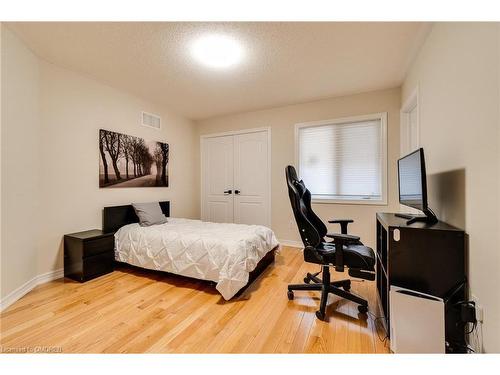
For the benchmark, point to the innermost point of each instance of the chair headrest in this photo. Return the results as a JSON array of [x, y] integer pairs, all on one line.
[[293, 180], [291, 174]]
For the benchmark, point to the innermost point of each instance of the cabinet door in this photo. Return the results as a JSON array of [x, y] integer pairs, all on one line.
[[251, 178], [217, 179]]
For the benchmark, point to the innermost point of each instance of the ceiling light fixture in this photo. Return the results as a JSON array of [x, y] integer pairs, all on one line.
[[217, 51]]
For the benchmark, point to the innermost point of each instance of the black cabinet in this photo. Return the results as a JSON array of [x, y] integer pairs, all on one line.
[[425, 258], [88, 254]]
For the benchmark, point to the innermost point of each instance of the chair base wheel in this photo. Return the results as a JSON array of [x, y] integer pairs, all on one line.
[[290, 295], [320, 315], [347, 288], [306, 280], [363, 309]]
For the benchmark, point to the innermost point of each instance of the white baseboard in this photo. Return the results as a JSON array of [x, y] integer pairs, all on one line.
[[28, 286], [291, 243]]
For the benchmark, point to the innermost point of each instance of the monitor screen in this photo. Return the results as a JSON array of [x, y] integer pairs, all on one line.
[[412, 181]]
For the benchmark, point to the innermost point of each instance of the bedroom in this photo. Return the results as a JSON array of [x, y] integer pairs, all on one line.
[[105, 124]]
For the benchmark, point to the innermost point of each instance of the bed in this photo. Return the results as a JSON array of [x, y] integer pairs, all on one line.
[[231, 255]]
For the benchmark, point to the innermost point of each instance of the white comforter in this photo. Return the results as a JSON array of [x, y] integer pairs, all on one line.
[[224, 253]]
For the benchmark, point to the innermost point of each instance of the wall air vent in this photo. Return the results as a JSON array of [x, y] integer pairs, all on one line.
[[151, 120]]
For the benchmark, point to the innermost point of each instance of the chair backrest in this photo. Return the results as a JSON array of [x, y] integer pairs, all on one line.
[[311, 228], [311, 215]]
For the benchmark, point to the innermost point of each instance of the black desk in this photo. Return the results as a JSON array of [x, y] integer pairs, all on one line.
[[427, 259]]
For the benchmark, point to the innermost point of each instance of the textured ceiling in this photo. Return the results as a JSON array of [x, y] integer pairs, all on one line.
[[284, 63]]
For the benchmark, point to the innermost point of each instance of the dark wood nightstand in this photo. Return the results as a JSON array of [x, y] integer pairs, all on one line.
[[88, 254]]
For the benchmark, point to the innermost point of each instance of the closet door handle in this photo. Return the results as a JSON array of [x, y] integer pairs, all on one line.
[[237, 192], [227, 192]]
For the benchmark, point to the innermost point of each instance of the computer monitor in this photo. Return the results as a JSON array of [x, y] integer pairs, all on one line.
[[413, 186]]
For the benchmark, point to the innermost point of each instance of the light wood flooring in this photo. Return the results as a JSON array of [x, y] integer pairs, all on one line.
[[135, 311]]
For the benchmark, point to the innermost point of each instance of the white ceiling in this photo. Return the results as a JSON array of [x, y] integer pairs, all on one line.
[[284, 62]]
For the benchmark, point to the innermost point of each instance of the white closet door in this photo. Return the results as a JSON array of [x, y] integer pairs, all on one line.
[[217, 179], [251, 178]]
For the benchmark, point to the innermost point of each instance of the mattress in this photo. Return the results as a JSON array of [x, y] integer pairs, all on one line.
[[223, 253]]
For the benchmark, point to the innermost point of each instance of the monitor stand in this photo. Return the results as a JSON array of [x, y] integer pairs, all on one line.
[[429, 217]]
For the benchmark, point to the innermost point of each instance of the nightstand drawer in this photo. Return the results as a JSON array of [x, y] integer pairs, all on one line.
[[98, 265], [98, 246], [88, 254]]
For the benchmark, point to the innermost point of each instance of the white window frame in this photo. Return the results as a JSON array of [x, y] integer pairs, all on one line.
[[369, 117], [409, 105]]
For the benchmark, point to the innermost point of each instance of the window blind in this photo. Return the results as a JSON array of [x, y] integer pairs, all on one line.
[[342, 161]]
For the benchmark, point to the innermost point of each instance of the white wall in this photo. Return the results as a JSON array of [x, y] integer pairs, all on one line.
[[457, 72], [73, 109], [50, 159], [282, 121], [20, 154]]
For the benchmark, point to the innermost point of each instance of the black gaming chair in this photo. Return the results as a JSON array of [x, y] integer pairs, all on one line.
[[344, 251]]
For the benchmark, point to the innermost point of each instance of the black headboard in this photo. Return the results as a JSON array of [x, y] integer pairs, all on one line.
[[113, 218]]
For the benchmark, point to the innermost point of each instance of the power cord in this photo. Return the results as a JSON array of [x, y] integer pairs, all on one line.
[[377, 319], [469, 319], [467, 347], [468, 314], [474, 326]]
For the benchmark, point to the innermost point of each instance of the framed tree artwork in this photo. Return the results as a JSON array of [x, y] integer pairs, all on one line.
[[127, 161]]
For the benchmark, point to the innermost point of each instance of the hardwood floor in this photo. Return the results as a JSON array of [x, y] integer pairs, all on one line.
[[135, 311]]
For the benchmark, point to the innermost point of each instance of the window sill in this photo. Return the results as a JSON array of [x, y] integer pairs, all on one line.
[[362, 202]]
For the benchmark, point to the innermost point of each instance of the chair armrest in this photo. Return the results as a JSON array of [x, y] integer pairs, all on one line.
[[346, 238], [343, 224], [338, 221]]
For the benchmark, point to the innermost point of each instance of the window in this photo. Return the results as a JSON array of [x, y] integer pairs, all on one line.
[[410, 124], [344, 160]]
